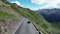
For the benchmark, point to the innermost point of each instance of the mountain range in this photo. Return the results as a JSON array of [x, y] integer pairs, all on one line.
[[51, 15]]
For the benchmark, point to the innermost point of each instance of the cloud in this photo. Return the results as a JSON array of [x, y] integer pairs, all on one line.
[[18, 3], [47, 3], [39, 1]]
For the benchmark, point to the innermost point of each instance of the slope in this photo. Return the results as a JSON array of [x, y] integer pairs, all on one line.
[[9, 19], [53, 17], [4, 12], [33, 16], [44, 26]]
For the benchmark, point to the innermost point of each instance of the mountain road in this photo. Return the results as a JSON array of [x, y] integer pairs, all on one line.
[[26, 28]]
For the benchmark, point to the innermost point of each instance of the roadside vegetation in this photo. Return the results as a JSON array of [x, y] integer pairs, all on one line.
[[4, 16]]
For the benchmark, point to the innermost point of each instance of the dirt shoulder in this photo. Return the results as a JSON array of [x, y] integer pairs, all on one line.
[[10, 26]]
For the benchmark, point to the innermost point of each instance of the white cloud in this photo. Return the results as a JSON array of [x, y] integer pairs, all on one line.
[[18, 3], [39, 1], [47, 3]]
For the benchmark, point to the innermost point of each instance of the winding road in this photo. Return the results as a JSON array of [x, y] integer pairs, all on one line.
[[26, 28]]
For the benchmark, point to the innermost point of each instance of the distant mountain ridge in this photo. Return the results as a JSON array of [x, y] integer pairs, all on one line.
[[51, 15]]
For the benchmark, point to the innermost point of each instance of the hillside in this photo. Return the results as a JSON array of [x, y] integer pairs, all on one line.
[[9, 19], [52, 16], [33, 16], [44, 26]]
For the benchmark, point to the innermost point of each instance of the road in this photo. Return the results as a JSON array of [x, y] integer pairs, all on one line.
[[26, 28]]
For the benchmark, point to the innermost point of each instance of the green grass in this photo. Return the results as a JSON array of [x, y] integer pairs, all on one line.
[[55, 28], [56, 25], [2, 20], [5, 15]]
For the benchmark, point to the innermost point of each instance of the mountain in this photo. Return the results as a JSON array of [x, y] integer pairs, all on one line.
[[15, 12], [12, 9], [51, 15]]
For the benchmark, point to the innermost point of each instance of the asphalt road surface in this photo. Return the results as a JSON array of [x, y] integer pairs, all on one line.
[[26, 28]]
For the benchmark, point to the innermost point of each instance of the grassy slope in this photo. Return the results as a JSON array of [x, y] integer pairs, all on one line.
[[55, 28], [5, 15], [37, 18]]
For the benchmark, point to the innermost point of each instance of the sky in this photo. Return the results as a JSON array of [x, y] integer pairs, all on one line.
[[37, 4]]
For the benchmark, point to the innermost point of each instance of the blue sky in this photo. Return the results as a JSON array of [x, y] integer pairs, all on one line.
[[27, 4], [37, 4]]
